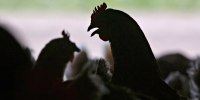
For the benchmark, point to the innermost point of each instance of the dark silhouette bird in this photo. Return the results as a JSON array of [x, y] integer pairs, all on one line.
[[135, 66], [173, 62], [48, 71], [194, 82], [180, 82], [16, 64]]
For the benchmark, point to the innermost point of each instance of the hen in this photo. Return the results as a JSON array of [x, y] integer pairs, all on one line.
[[49, 69], [173, 62], [16, 64], [194, 81], [135, 66]]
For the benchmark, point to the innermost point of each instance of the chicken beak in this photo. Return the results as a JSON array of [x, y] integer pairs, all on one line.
[[90, 27], [95, 32], [77, 49]]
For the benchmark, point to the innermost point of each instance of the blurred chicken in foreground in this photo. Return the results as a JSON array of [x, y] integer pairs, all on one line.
[[16, 65]]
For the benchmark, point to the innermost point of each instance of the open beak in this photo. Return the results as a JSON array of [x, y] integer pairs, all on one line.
[[93, 33], [90, 27]]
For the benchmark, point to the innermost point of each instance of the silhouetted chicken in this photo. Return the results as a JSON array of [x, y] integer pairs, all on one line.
[[49, 69], [173, 62], [194, 82], [16, 64], [134, 63], [180, 82]]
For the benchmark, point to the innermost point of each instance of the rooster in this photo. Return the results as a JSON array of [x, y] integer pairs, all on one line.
[[48, 71], [135, 66]]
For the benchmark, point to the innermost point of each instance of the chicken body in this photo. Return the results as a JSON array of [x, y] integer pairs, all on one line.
[[48, 71], [16, 64], [135, 66]]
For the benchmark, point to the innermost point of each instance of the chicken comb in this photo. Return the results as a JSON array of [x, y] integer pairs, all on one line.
[[97, 10], [65, 35]]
